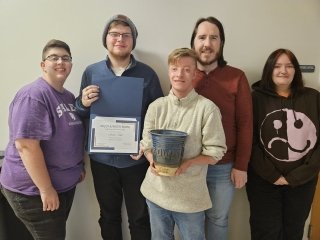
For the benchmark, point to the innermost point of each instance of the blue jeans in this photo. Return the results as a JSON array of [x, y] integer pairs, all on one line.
[[43, 225], [221, 191], [190, 225]]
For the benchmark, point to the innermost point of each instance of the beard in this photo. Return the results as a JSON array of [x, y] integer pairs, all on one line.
[[120, 56], [208, 61]]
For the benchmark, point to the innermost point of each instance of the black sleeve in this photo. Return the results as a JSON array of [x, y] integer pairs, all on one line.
[[82, 110]]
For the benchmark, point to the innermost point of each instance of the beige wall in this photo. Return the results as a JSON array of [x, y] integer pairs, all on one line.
[[253, 29]]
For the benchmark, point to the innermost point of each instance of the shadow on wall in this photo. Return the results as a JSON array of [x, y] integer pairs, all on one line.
[[157, 63]]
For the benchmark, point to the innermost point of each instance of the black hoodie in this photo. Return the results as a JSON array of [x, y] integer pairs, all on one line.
[[285, 135]]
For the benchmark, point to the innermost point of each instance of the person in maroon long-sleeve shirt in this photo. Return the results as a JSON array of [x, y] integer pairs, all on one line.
[[228, 88]]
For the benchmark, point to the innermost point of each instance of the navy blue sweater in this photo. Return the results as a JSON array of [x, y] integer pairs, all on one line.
[[151, 91]]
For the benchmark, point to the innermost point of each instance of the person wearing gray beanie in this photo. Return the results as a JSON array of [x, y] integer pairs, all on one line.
[[117, 177], [124, 19]]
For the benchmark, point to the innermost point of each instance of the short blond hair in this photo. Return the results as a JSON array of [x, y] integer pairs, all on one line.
[[178, 53]]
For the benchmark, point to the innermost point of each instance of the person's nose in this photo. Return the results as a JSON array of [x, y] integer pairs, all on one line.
[[180, 72], [283, 69], [206, 42], [120, 38], [60, 61]]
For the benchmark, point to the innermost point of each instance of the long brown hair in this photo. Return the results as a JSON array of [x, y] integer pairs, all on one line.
[[213, 20], [266, 79]]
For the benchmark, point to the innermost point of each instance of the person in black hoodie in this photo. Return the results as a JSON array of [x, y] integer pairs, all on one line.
[[285, 159]]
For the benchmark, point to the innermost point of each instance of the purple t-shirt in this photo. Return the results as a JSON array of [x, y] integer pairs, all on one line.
[[40, 112]]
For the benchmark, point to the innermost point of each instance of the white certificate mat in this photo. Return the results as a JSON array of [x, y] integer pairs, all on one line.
[[114, 135]]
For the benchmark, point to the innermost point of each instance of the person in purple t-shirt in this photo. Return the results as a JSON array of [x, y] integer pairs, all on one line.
[[44, 158]]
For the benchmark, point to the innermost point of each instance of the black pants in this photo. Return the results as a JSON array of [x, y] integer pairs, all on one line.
[[11, 228], [278, 212], [48, 225], [111, 184]]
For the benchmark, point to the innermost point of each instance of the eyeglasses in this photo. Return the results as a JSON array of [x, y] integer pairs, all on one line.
[[55, 58], [116, 35]]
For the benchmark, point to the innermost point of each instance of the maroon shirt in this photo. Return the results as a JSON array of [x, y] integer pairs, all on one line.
[[228, 88]]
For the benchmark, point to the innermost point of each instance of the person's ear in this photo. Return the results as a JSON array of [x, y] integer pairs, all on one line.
[[43, 65]]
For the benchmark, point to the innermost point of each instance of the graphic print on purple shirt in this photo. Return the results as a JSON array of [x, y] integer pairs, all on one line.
[[40, 112]]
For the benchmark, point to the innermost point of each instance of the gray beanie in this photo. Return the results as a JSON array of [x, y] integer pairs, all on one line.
[[122, 18]]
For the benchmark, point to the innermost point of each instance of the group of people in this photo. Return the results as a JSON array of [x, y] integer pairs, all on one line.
[[269, 135]]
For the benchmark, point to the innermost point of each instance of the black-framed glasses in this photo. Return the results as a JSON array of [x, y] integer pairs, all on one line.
[[116, 35], [55, 58]]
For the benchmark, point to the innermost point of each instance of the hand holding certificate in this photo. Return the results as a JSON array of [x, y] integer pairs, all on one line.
[[115, 116]]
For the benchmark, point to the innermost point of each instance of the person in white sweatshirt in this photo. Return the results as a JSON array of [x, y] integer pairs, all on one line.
[[181, 199]]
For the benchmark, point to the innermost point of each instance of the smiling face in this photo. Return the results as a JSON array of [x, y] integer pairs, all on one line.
[[283, 73], [56, 72], [119, 45], [181, 74], [207, 43]]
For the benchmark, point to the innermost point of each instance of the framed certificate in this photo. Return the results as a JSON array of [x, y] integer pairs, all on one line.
[[114, 135], [115, 117]]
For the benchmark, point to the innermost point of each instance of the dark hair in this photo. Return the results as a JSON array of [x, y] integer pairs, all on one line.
[[213, 20], [266, 79], [53, 43]]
